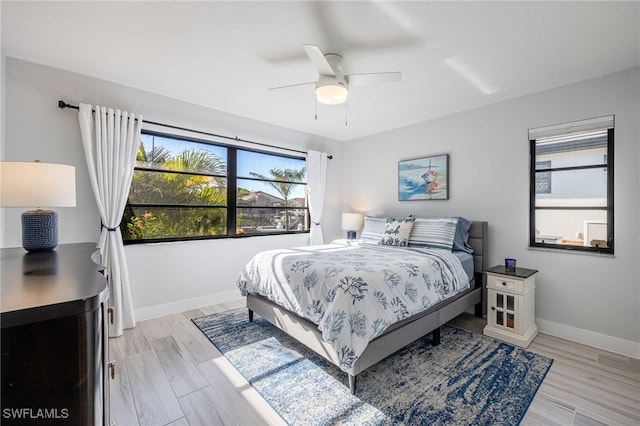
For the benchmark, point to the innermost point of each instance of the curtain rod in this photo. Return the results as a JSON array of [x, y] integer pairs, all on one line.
[[63, 105]]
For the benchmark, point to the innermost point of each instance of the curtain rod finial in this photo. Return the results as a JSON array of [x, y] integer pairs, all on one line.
[[63, 105]]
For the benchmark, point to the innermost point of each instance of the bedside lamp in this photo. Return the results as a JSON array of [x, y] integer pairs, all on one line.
[[350, 223], [36, 184]]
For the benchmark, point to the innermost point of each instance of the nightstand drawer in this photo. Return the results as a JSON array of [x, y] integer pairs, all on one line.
[[504, 283]]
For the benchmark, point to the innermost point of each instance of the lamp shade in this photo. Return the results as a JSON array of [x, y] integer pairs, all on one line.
[[35, 184], [351, 221]]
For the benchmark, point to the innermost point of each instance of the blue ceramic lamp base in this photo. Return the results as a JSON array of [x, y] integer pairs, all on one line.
[[39, 230]]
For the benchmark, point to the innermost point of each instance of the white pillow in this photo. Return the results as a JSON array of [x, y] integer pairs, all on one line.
[[373, 228], [397, 231]]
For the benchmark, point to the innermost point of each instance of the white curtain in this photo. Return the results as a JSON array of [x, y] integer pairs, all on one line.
[[110, 140], [316, 180]]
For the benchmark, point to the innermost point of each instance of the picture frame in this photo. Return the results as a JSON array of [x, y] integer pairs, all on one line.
[[424, 178]]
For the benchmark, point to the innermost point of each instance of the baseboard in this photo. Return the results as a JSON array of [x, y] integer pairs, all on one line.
[[590, 338], [185, 305]]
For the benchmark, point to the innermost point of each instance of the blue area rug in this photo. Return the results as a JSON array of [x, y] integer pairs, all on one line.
[[468, 379]]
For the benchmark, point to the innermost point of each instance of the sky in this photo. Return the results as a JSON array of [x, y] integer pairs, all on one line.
[[248, 161]]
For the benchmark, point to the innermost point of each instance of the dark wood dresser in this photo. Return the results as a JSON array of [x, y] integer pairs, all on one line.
[[54, 337]]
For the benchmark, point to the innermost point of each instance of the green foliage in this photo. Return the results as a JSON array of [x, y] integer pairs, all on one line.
[[188, 186], [168, 223], [169, 185]]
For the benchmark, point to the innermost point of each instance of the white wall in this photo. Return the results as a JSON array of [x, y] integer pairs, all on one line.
[[164, 277], [593, 299]]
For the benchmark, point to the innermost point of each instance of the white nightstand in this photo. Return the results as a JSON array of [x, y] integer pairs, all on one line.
[[511, 305]]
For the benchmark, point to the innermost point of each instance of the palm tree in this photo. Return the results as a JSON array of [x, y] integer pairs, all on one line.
[[156, 155], [200, 179], [283, 181]]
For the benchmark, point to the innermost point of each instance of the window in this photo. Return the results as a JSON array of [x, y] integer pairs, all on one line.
[[571, 186], [184, 189]]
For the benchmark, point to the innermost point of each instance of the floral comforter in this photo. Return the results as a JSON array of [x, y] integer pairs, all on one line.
[[353, 291]]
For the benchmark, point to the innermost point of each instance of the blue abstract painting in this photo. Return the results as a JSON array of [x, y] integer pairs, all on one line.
[[424, 178]]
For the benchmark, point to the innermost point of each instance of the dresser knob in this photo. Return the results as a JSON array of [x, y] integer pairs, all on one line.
[[504, 283], [493, 308]]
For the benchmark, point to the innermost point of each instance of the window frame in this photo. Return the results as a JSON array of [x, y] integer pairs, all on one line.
[[608, 164], [231, 199]]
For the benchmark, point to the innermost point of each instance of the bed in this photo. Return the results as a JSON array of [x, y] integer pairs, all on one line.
[[308, 322]]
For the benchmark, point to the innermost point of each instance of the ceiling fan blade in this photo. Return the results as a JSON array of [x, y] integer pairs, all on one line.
[[373, 78], [318, 60], [291, 85]]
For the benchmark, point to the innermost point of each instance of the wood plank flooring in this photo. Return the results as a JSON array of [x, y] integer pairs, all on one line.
[[168, 373]]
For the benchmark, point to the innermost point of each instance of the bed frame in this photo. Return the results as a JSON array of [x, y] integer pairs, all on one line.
[[398, 335]]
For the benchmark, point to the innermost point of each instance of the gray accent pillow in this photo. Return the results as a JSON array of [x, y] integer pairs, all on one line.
[[461, 239]]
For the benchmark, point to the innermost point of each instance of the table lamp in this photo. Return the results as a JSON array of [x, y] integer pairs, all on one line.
[[350, 223], [36, 184]]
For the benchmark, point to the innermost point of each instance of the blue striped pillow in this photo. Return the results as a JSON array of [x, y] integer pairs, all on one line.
[[436, 233], [373, 228]]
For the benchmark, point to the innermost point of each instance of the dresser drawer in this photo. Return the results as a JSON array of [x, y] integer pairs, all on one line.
[[500, 282]]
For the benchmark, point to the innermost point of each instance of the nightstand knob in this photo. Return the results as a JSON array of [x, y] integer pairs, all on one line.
[[493, 308], [504, 283]]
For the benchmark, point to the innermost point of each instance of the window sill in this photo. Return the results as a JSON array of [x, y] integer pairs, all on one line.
[[566, 251]]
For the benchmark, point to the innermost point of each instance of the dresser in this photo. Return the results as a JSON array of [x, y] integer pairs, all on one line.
[[54, 337], [511, 305]]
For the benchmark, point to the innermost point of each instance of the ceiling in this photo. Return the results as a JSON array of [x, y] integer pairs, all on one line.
[[225, 55]]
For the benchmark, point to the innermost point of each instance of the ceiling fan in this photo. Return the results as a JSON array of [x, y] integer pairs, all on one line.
[[332, 86]]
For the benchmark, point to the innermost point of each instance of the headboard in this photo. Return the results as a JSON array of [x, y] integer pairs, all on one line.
[[479, 241]]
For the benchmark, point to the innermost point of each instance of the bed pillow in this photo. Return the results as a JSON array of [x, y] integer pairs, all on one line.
[[397, 231], [373, 228], [461, 239], [438, 233]]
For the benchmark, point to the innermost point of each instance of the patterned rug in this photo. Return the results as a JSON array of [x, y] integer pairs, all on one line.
[[468, 379]]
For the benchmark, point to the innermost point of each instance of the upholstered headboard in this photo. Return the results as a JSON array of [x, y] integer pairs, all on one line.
[[479, 241]]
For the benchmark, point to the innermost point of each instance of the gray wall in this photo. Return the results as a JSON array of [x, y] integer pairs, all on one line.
[[594, 299], [164, 277]]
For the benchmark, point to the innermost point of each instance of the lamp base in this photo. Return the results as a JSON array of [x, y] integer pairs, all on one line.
[[39, 230], [351, 235]]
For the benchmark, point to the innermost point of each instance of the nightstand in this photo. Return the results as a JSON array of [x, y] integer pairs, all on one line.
[[511, 305]]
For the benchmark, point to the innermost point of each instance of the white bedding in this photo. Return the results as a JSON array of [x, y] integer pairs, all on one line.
[[353, 291]]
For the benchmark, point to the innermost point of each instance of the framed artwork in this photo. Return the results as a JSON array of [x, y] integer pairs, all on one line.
[[425, 178]]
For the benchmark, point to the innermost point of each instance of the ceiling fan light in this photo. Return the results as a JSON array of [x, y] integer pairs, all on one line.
[[331, 94]]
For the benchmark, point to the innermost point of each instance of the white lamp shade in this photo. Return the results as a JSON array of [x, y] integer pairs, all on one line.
[[351, 221], [35, 184], [331, 94]]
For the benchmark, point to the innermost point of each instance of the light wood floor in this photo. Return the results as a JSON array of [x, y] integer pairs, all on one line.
[[168, 373]]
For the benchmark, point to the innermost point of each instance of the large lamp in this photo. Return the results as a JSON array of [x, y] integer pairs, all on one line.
[[36, 184], [350, 223]]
